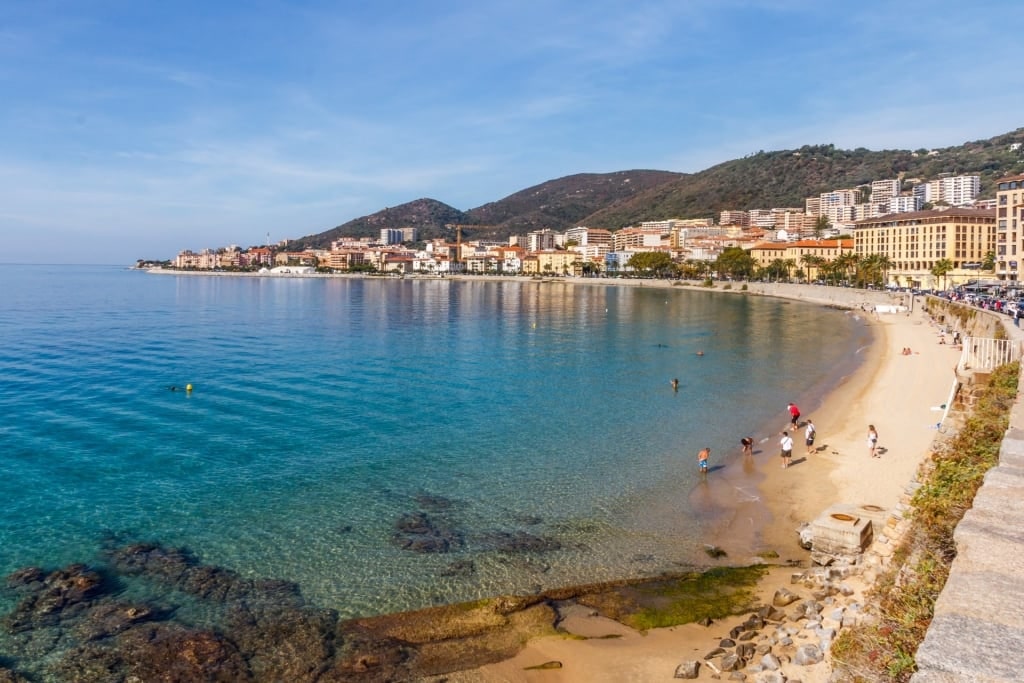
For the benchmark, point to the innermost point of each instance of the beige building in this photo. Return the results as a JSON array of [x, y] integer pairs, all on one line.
[[914, 242], [1009, 227], [828, 250]]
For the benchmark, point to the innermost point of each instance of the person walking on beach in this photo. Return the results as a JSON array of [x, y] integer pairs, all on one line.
[[794, 415], [787, 449], [748, 445], [873, 441], [702, 460], [809, 433]]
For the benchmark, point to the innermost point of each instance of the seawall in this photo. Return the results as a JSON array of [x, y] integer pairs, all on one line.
[[977, 633]]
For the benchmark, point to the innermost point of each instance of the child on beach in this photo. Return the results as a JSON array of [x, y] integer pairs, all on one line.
[[809, 433], [702, 460], [748, 445]]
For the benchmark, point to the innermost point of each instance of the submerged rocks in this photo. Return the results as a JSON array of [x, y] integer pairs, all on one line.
[[421, 534]]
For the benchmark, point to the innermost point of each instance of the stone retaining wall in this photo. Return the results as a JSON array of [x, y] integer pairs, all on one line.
[[977, 634]]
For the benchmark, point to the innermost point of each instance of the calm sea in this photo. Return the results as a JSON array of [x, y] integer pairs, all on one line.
[[324, 410]]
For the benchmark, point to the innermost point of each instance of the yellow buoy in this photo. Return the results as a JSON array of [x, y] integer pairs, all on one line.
[[188, 387]]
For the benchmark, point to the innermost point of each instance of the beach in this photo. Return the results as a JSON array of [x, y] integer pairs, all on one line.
[[899, 394]]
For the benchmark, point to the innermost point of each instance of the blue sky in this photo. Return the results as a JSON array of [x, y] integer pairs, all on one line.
[[134, 129]]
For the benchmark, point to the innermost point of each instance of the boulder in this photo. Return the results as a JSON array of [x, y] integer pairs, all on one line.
[[689, 669]]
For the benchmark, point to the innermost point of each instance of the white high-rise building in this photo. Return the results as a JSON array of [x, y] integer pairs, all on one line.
[[884, 190], [959, 190]]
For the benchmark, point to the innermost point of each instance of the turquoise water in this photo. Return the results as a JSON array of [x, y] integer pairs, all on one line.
[[325, 409]]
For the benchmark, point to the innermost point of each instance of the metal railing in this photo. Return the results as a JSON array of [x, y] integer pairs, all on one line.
[[985, 354]]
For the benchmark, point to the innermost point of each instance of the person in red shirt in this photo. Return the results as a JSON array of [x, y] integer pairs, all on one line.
[[794, 415]]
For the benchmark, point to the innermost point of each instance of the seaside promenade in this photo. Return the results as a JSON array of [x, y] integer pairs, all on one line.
[[977, 633]]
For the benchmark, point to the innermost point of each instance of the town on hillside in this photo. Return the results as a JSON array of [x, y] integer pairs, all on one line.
[[890, 233]]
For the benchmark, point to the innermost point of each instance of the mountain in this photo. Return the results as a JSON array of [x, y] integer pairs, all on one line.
[[761, 180]]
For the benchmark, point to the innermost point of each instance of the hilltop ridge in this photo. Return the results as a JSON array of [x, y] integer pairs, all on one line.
[[618, 199]]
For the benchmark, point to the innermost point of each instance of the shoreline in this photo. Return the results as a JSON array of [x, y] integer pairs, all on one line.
[[894, 392]]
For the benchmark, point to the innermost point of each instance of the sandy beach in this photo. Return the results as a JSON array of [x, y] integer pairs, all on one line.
[[899, 394]]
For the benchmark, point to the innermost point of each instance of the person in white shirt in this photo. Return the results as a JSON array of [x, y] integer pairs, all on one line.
[[787, 449], [809, 433]]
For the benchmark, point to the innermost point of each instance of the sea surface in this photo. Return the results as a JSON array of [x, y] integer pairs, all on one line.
[[534, 423]]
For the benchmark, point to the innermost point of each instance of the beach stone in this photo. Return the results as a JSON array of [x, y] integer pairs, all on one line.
[[784, 597], [715, 653], [731, 662], [737, 676], [727, 643], [745, 650], [770, 677], [770, 662], [807, 655], [688, 669]]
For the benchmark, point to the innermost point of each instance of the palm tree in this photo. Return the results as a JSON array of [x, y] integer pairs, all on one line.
[[789, 264], [847, 263], [811, 261], [941, 269]]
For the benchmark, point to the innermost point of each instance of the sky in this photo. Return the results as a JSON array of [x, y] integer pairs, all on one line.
[[134, 129]]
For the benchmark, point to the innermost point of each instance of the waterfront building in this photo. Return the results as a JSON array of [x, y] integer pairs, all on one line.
[[1009, 209], [827, 250], [914, 242]]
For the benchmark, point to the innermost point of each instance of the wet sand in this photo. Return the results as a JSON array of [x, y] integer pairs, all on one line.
[[897, 393]]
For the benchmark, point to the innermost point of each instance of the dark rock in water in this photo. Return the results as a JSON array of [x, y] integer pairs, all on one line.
[[419, 533], [283, 643], [460, 568], [156, 562], [433, 503], [345, 529], [107, 619], [158, 652], [518, 542], [26, 578], [528, 520], [61, 594], [177, 568], [8, 676]]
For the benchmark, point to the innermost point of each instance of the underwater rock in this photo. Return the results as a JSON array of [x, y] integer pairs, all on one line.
[[518, 542], [420, 534], [155, 652], [108, 618], [61, 594], [283, 643]]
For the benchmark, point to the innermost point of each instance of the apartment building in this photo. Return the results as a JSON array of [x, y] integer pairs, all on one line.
[[585, 237], [1009, 227], [958, 190], [884, 190], [914, 242], [730, 217], [636, 238]]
